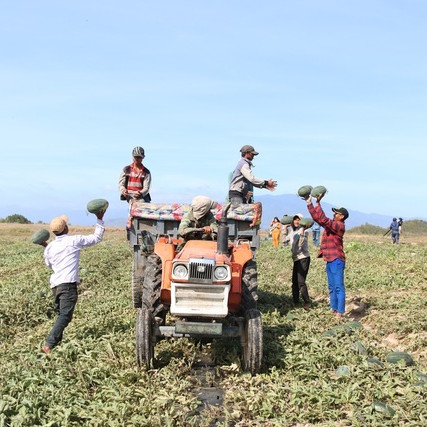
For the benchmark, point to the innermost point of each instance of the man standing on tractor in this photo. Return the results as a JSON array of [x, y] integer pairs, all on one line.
[[135, 181], [243, 181]]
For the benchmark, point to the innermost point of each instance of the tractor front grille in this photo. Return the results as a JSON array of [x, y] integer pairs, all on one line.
[[201, 270]]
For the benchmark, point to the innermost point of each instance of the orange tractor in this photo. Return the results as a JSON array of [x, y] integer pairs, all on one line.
[[209, 288]]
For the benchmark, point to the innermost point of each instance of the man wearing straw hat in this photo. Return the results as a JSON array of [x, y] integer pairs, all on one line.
[[62, 255]]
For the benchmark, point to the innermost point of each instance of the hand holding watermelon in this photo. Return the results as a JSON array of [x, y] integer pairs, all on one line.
[[97, 207], [40, 237]]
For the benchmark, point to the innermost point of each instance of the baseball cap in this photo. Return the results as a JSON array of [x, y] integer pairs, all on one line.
[[342, 211], [249, 149], [298, 215], [58, 224], [138, 152]]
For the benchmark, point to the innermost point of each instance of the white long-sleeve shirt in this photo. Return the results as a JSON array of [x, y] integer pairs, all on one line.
[[62, 255]]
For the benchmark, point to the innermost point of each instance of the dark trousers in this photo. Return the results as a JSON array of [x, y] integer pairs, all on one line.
[[65, 301], [299, 274]]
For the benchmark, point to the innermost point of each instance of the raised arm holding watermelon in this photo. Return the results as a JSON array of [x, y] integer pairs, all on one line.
[[62, 255], [331, 249]]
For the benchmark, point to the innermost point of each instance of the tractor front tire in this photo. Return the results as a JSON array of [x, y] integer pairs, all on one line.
[[138, 273], [252, 341], [249, 286], [152, 286], [151, 307], [144, 338]]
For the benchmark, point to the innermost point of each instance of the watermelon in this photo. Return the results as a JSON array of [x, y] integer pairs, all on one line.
[[329, 333], [421, 384], [397, 356], [318, 191], [97, 206], [421, 377], [40, 236], [354, 325], [286, 220], [359, 348], [373, 361], [342, 371], [306, 222], [342, 330], [383, 408], [304, 191]]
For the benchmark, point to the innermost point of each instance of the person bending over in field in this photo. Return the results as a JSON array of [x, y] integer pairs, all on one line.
[[62, 255], [332, 251]]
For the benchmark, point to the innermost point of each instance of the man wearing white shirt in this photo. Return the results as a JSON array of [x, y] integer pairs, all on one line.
[[62, 255]]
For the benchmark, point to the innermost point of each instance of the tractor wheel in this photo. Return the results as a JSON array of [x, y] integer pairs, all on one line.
[[252, 341], [152, 286], [138, 272], [249, 286], [144, 338]]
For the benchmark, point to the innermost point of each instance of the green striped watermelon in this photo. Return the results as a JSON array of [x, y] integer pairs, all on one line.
[[304, 191], [97, 205], [40, 236], [318, 191], [397, 356]]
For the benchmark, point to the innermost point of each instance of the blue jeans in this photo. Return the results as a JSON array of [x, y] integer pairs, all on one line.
[[335, 273], [65, 301], [316, 237]]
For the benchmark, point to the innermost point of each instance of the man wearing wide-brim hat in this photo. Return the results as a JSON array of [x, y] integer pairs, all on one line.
[[62, 255], [243, 180]]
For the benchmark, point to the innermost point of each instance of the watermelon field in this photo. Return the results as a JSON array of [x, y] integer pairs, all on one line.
[[317, 370]]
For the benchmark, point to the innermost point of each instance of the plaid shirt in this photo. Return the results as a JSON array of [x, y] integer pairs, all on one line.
[[331, 246]]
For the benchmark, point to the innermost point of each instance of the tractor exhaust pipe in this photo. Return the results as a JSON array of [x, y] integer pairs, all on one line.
[[222, 237]]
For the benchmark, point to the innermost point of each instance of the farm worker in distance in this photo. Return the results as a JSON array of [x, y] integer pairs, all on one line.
[[332, 251], [199, 217], [298, 239], [62, 255], [315, 229], [135, 181], [285, 230], [394, 227], [400, 222], [275, 229], [243, 181]]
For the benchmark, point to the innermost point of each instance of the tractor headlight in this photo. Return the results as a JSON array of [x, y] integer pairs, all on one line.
[[221, 273], [180, 271]]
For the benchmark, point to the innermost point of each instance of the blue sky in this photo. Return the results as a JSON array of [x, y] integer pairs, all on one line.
[[329, 92]]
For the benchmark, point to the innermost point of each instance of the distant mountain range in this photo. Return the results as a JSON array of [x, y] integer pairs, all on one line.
[[277, 205], [290, 204]]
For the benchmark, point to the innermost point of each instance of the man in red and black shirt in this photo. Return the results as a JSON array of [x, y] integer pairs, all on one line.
[[331, 250], [135, 179], [135, 182]]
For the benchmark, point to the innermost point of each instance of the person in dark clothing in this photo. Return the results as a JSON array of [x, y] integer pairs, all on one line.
[[394, 227]]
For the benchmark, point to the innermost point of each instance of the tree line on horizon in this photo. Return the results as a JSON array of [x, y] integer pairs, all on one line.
[[411, 226]]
